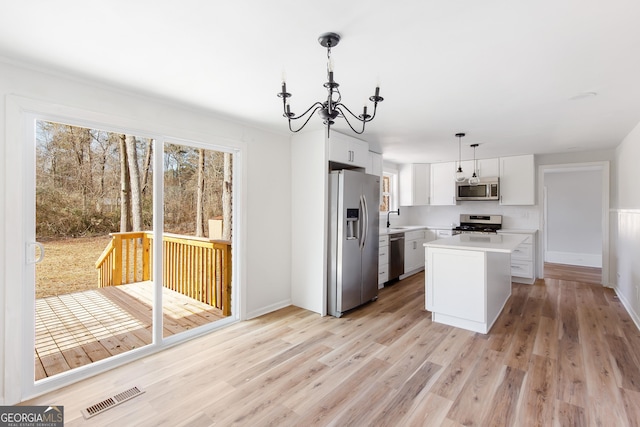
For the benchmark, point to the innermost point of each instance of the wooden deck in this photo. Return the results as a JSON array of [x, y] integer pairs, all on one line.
[[76, 329]]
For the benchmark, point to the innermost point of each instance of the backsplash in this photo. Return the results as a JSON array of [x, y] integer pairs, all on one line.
[[513, 217]]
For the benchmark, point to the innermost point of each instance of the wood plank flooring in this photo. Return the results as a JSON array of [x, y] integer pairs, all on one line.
[[80, 328], [572, 272], [562, 353]]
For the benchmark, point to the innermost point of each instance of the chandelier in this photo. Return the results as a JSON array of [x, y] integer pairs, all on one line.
[[333, 106]]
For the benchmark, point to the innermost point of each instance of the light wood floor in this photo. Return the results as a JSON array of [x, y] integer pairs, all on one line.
[[562, 353], [572, 272], [80, 328]]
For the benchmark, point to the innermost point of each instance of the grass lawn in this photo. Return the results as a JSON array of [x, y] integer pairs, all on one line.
[[69, 265]]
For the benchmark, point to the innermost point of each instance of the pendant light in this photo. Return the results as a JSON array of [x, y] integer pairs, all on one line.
[[459, 174], [474, 178]]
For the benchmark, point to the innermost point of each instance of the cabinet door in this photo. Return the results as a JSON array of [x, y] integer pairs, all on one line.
[[443, 190], [413, 258], [517, 180], [488, 168], [347, 150], [339, 148], [359, 152], [414, 184], [484, 168], [374, 167]]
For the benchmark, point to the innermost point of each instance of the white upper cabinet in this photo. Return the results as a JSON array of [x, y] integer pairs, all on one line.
[[374, 167], [517, 180], [414, 184], [485, 168], [443, 188], [347, 150], [488, 168]]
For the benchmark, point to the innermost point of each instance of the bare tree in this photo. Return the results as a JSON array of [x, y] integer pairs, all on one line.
[[125, 187], [134, 175], [146, 167], [200, 195], [226, 198]]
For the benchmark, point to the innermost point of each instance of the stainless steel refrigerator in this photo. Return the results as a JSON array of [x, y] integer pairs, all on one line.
[[354, 199]]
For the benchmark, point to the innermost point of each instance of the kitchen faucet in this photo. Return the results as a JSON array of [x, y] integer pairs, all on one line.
[[390, 212]]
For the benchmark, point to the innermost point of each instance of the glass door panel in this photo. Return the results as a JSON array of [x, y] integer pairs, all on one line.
[[196, 242], [94, 220]]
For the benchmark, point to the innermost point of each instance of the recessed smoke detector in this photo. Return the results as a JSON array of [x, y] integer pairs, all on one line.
[[583, 95]]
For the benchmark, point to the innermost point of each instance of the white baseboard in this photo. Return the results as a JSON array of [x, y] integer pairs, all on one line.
[[629, 307], [571, 258], [268, 309]]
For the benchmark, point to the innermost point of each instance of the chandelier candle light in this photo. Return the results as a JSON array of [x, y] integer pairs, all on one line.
[[332, 107]]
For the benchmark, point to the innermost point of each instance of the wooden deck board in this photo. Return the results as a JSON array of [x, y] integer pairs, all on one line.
[[76, 329]]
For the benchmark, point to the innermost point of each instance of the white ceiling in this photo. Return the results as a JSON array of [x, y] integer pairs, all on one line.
[[505, 72]]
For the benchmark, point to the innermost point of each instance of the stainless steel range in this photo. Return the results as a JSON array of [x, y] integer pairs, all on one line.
[[478, 224]]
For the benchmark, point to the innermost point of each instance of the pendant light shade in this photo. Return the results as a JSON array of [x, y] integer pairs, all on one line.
[[459, 174], [474, 178]]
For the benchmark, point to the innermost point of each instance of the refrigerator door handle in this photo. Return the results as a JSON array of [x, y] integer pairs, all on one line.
[[364, 221]]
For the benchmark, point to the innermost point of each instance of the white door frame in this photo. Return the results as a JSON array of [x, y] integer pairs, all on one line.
[[604, 168], [19, 340]]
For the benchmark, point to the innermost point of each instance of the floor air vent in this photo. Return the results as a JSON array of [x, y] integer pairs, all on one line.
[[111, 402]]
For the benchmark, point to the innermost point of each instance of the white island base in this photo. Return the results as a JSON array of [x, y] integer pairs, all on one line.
[[468, 280]]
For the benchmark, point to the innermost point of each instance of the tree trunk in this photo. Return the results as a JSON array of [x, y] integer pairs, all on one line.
[[125, 189], [134, 175], [147, 166], [200, 195], [226, 197]]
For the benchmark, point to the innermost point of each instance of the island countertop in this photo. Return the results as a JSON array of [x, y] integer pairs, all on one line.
[[480, 242]]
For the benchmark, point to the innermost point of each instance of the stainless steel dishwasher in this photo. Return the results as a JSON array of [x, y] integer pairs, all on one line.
[[396, 255]]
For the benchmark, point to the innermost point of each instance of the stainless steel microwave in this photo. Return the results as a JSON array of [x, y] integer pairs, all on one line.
[[486, 189]]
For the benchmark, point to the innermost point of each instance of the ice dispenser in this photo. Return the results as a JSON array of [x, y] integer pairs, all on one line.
[[353, 216]]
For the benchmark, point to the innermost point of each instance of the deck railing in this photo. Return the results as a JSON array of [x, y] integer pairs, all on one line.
[[196, 267]]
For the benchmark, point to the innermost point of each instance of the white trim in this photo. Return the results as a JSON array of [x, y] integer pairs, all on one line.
[[628, 306], [18, 381], [572, 258], [604, 167], [268, 309]]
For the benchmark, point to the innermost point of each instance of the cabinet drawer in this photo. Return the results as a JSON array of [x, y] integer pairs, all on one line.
[[413, 235], [522, 268], [523, 252], [384, 240], [383, 275], [383, 257]]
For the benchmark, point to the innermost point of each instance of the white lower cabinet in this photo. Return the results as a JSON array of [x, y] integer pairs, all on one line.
[[523, 258], [383, 260], [414, 249], [442, 233]]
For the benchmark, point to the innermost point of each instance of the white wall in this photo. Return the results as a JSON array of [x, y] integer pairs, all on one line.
[[513, 217], [574, 217], [262, 224], [625, 225]]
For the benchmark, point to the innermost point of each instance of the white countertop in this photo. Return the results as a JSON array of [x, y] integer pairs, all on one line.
[[401, 229], [480, 242]]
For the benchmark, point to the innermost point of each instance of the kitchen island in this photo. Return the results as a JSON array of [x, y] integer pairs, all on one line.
[[468, 278]]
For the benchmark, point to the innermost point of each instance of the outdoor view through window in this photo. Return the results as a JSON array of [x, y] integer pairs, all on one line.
[[94, 218]]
